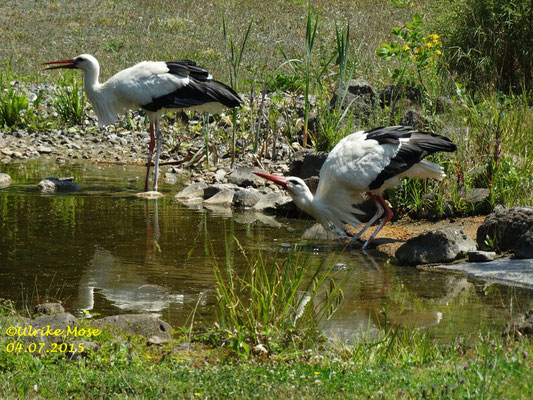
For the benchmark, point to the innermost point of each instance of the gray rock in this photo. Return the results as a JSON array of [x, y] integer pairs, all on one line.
[[51, 328], [307, 163], [272, 201], [5, 180], [219, 175], [413, 118], [215, 188], [44, 149], [170, 178], [80, 349], [524, 245], [223, 197], [481, 256], [520, 326], [48, 308], [359, 95], [504, 227], [193, 190], [246, 197], [391, 94], [244, 177], [136, 324], [480, 200], [50, 185], [441, 245]]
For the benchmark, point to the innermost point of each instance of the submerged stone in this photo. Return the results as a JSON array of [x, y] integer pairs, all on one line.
[[50, 185]]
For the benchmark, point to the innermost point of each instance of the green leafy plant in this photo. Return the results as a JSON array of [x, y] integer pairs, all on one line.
[[69, 99], [418, 54], [16, 111]]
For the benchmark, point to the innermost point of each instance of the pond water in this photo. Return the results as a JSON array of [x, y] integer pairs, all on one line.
[[107, 251]]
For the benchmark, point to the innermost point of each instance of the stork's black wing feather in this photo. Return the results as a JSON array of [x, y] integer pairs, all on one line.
[[413, 148], [187, 68], [195, 93]]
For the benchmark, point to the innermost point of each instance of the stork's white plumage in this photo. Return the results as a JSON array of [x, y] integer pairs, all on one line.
[[154, 86], [365, 161]]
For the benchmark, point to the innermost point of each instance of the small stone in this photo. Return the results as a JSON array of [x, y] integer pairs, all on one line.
[[50, 185], [44, 149], [5, 180], [48, 308], [481, 256]]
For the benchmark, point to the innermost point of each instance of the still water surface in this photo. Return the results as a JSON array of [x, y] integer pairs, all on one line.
[[107, 251]]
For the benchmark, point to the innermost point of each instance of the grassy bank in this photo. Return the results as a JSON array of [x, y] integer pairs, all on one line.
[[399, 365]]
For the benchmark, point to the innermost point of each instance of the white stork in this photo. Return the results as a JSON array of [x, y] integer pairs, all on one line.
[[154, 86], [365, 161]]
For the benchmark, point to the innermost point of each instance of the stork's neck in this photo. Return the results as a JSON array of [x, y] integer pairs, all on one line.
[[91, 76], [305, 201]]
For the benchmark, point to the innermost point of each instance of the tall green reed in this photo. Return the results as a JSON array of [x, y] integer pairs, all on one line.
[[234, 54], [275, 303]]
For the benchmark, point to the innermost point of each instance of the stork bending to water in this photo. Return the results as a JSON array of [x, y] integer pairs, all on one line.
[[154, 86], [365, 161]]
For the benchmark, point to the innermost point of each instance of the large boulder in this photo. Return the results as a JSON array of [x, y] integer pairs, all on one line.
[[307, 163], [246, 197], [194, 190], [503, 228], [145, 325], [524, 246], [358, 95], [50, 328], [244, 177], [441, 245]]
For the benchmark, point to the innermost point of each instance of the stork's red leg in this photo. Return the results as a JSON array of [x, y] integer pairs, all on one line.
[[388, 216], [379, 213], [150, 152], [159, 138]]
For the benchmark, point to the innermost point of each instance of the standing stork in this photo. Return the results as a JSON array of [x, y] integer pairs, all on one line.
[[365, 161], [154, 86]]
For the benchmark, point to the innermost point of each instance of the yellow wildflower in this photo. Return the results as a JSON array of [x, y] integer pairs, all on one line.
[[405, 47], [438, 52], [429, 44]]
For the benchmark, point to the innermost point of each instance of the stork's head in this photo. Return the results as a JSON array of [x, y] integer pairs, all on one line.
[[85, 62], [296, 188]]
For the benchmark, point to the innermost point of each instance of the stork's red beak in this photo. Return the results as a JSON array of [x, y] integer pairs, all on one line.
[[274, 178], [66, 63]]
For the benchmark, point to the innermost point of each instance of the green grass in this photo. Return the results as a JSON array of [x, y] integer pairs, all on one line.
[[400, 364]]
